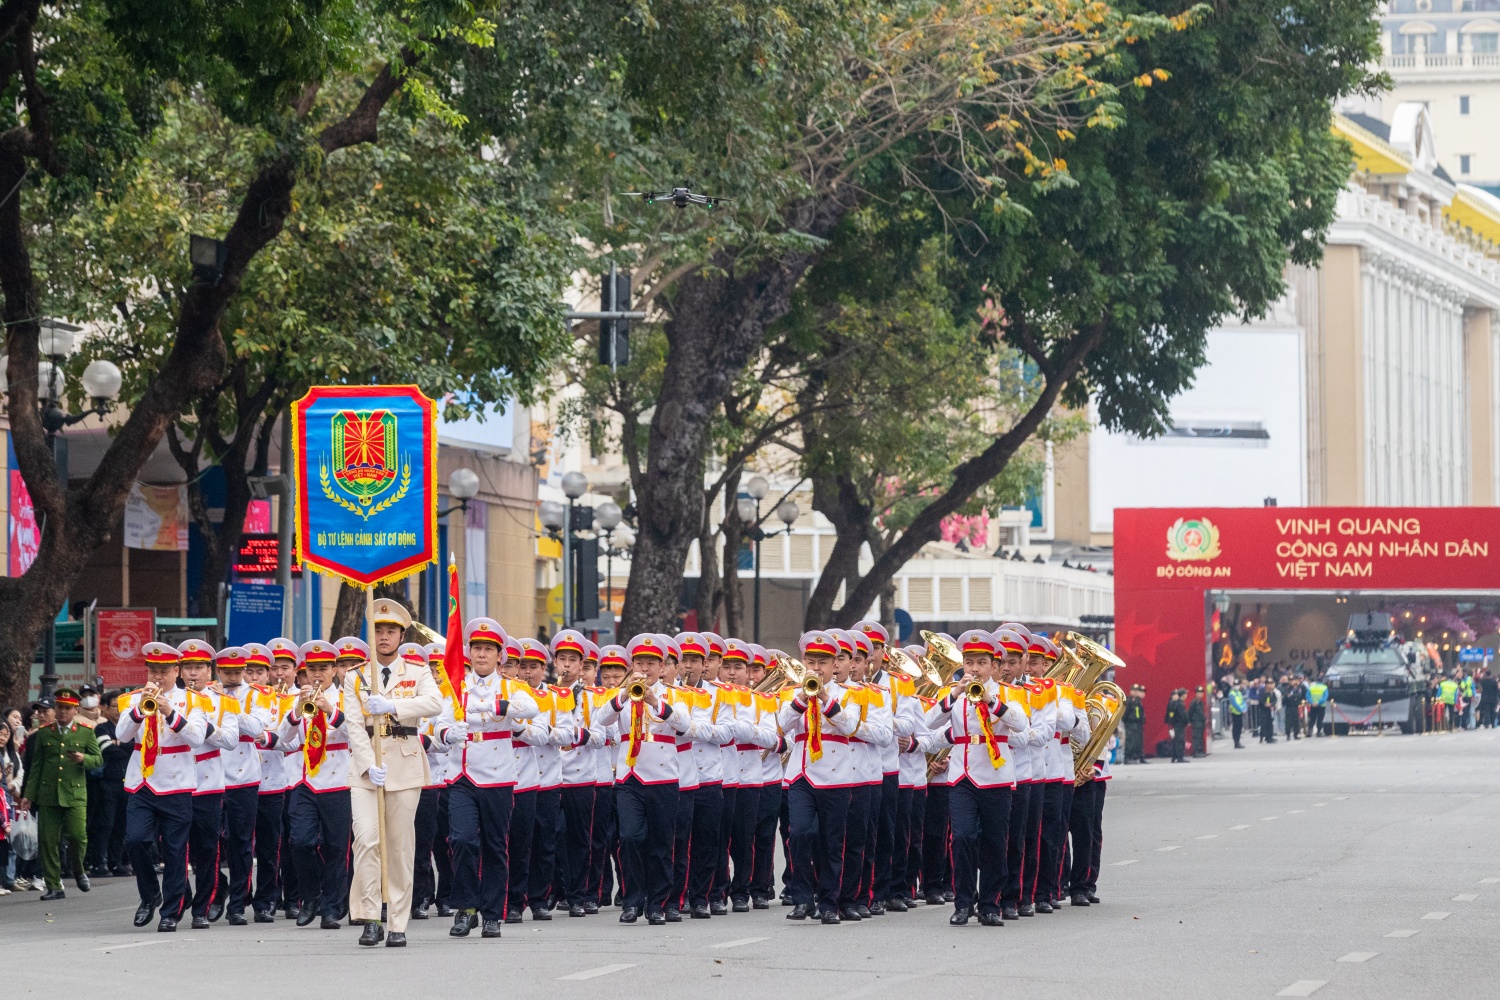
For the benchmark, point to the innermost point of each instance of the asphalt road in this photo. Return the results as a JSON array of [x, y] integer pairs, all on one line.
[[1350, 867]]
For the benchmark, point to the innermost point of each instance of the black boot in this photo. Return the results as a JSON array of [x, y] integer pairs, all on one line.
[[960, 916], [460, 926], [372, 935]]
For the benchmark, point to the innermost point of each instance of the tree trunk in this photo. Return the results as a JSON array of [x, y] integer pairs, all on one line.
[[734, 534], [718, 324], [349, 613], [838, 499]]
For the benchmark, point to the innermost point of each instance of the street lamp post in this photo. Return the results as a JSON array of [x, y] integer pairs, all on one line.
[[574, 485], [748, 508], [101, 383], [607, 522]]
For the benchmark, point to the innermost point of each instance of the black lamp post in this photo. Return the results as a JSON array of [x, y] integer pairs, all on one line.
[[748, 508]]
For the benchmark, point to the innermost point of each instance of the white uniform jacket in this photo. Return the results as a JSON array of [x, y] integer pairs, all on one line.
[[493, 707], [322, 745], [835, 768], [242, 764], [970, 758], [277, 773], [176, 739], [648, 739], [223, 714]]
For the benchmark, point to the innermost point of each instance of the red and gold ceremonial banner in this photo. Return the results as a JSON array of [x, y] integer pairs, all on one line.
[[366, 460]]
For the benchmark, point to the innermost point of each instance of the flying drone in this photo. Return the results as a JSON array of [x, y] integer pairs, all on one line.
[[682, 197]]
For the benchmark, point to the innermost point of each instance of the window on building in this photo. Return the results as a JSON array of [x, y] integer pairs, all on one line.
[[919, 595], [1464, 163], [1463, 104], [1486, 42], [979, 595], [951, 595], [801, 553]]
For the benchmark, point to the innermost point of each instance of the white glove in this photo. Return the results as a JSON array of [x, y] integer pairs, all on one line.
[[456, 734], [484, 706], [376, 776], [379, 704]]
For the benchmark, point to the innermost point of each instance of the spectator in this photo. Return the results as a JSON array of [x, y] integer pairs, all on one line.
[[11, 777], [1489, 693], [111, 830], [16, 725]]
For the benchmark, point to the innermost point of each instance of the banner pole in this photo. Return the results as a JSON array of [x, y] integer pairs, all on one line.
[[378, 725]]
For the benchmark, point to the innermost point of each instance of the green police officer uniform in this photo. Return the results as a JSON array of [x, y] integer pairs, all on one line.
[[57, 787]]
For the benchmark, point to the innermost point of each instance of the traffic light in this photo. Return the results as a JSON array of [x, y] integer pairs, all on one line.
[[614, 334]]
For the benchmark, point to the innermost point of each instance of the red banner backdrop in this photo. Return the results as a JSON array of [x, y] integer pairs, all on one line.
[[1166, 559]]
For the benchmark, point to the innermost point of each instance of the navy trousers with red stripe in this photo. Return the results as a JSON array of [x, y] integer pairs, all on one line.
[[270, 810], [647, 816], [980, 820], [203, 848], [1015, 849], [321, 826], [158, 826], [241, 812], [818, 819]]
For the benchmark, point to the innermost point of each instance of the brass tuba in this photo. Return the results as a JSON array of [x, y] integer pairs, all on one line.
[[1104, 702], [938, 665], [784, 673]]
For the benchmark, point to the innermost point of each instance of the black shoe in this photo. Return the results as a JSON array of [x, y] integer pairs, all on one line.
[[1042, 906], [1024, 910], [576, 910], [372, 935], [460, 926], [948, 896], [850, 913], [200, 922], [124, 871], [166, 925], [513, 917], [591, 908], [50, 895], [1079, 899], [863, 911], [740, 906], [877, 909], [396, 939], [786, 899], [83, 882], [540, 913], [799, 912], [305, 916], [1010, 913], [329, 924], [934, 899], [992, 920], [237, 919], [215, 911], [960, 916], [490, 929], [759, 903], [629, 915], [444, 910], [830, 917], [896, 905], [265, 917], [718, 909], [654, 919], [699, 912], [1089, 895], [420, 912], [674, 916], [619, 899], [292, 912]]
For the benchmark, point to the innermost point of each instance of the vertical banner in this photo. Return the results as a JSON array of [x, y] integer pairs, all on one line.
[[24, 533], [366, 465]]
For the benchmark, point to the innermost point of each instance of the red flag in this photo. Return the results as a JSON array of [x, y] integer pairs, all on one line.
[[453, 648]]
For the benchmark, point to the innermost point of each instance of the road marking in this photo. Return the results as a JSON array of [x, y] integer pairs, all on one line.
[[1402, 934], [1358, 956], [1206, 836], [1267, 819], [1293, 812], [1466, 897], [1242, 826], [1171, 847], [1436, 915], [1122, 864], [603, 970], [129, 944], [1488, 881], [1303, 988], [1340, 798], [1319, 805], [739, 942]]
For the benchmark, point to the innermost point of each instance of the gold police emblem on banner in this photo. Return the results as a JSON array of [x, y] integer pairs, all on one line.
[[1192, 540]]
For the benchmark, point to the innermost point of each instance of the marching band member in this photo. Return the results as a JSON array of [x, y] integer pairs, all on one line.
[[1029, 750], [605, 850], [1086, 820], [981, 721], [223, 734], [819, 775], [479, 730], [685, 701], [872, 733], [580, 768], [713, 727], [937, 860], [432, 880], [547, 734], [1068, 724], [275, 861], [755, 735], [925, 740], [386, 696], [242, 774], [270, 799], [167, 724], [889, 689], [772, 809], [648, 773], [528, 783], [713, 662], [320, 815]]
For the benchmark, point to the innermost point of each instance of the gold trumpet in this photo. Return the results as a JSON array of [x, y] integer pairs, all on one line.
[[811, 686], [974, 690], [636, 691], [149, 705], [308, 707]]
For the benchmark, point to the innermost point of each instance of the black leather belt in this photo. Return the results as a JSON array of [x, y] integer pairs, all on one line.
[[399, 732]]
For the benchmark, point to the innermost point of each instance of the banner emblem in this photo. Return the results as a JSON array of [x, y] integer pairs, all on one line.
[[1190, 540], [364, 461]]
